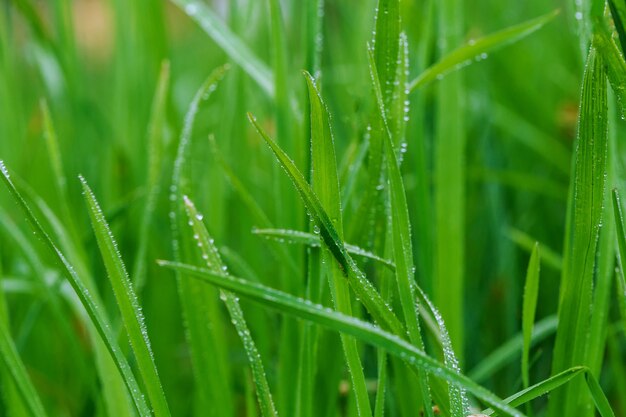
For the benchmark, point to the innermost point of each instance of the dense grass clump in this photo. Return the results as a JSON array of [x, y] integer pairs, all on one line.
[[312, 208]]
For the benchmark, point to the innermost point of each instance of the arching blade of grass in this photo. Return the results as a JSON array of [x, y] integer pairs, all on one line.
[[212, 258], [94, 311], [364, 331], [326, 186], [364, 289], [155, 157], [199, 305], [618, 13], [509, 350], [478, 48], [583, 228], [556, 381], [15, 367], [402, 246], [309, 239], [238, 51], [531, 291], [128, 304]]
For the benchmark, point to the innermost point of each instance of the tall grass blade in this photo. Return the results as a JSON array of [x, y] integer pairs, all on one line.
[[9, 356], [94, 311], [326, 187], [155, 160], [583, 228], [479, 48], [128, 304], [531, 291], [212, 258], [401, 241], [621, 258]]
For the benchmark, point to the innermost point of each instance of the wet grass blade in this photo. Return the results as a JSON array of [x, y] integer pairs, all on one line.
[[556, 381], [583, 229], [312, 240], [326, 186], [128, 304], [15, 367], [364, 331], [94, 311], [478, 48], [531, 291], [621, 259], [211, 256], [364, 289], [401, 242], [238, 51]]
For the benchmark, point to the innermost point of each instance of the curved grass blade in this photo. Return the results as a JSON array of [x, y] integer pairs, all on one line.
[[326, 186], [95, 313], [15, 367], [478, 48], [128, 304], [211, 256], [531, 290], [510, 349], [556, 381], [309, 239], [236, 49], [362, 330], [361, 286]]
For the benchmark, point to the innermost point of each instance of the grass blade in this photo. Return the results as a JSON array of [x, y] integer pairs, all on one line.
[[402, 246], [98, 319], [531, 291], [15, 367], [312, 240], [556, 381], [155, 157], [326, 186], [128, 304], [229, 42], [339, 322], [621, 258], [465, 54], [211, 256], [580, 254]]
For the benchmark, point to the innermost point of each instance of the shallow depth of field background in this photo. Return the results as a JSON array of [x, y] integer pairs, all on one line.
[[96, 64]]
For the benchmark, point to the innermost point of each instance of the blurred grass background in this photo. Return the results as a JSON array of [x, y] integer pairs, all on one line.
[[96, 64]]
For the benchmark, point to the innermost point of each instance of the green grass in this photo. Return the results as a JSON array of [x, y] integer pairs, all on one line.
[[282, 189]]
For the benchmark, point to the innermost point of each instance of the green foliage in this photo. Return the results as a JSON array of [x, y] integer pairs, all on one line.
[[392, 174]]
